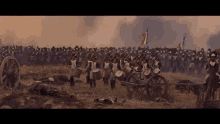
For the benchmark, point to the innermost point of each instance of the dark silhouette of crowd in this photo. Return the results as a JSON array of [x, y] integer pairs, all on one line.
[[172, 59]]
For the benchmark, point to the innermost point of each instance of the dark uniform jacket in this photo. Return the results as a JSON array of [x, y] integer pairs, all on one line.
[[212, 69]]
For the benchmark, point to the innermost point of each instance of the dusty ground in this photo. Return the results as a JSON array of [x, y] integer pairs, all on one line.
[[85, 95]]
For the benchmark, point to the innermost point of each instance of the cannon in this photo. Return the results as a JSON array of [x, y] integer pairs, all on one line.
[[9, 71]]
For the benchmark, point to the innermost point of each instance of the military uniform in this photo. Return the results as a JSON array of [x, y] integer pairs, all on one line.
[[212, 68], [175, 63], [106, 71], [74, 65], [192, 64], [115, 66], [182, 63], [94, 65]]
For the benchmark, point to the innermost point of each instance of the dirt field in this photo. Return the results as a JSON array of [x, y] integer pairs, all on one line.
[[85, 95]]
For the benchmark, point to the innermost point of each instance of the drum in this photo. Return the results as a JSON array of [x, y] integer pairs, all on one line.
[[120, 75], [127, 71], [147, 72], [75, 72], [156, 71], [97, 74], [106, 73], [136, 68]]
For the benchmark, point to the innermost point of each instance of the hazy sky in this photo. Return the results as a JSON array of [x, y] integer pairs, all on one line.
[[117, 31]]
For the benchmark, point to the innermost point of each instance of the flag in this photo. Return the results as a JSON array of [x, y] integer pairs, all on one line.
[[145, 40], [179, 46], [183, 40]]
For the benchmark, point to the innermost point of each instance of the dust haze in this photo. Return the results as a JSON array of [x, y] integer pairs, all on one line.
[[115, 31]]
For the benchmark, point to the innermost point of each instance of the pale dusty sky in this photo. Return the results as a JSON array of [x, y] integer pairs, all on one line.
[[114, 31]]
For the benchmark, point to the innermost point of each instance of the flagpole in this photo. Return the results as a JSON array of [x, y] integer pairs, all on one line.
[[147, 35]]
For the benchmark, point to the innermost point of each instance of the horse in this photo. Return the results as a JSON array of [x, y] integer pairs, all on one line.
[[212, 86]]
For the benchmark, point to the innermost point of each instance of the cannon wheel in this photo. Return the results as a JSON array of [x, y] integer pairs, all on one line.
[[10, 71], [132, 78], [157, 87]]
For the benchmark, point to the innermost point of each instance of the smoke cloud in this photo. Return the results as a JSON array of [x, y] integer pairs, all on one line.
[[112, 31]]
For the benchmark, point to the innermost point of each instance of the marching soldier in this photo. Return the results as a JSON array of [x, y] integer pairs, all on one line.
[[94, 65], [106, 71], [175, 63], [163, 61], [88, 69], [156, 66], [114, 68], [146, 70], [183, 63], [201, 62], [74, 65], [192, 64]]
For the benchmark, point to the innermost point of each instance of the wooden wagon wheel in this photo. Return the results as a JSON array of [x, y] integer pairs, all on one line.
[[157, 87], [10, 71], [132, 78]]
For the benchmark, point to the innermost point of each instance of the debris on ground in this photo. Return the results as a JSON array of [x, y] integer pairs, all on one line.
[[109, 101], [160, 100]]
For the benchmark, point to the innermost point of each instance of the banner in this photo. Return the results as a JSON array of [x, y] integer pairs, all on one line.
[[179, 46]]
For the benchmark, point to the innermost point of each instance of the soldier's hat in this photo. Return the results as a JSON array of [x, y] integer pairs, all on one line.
[[213, 54]]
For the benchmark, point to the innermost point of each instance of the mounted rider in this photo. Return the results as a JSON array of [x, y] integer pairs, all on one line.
[[212, 66]]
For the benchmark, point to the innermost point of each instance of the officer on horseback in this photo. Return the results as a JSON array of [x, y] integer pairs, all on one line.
[[212, 66]]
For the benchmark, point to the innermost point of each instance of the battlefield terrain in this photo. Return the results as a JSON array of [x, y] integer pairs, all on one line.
[[82, 96]]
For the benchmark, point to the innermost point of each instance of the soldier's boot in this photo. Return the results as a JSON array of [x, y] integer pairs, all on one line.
[[94, 83], [112, 84], [87, 79], [72, 82], [206, 79], [90, 81], [104, 80]]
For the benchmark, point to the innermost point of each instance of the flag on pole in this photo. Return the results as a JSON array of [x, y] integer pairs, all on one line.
[[145, 40], [183, 40], [179, 46]]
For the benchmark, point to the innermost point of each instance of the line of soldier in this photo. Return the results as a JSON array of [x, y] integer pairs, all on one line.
[[112, 63], [174, 61]]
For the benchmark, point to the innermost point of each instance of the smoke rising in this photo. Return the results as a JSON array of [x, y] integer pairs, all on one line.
[[112, 31]]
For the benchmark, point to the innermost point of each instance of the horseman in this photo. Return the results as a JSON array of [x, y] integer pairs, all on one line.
[[212, 67]]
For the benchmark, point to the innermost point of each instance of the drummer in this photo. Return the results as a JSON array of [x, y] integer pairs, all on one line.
[[156, 65], [94, 65], [88, 69], [114, 68], [146, 67], [74, 65], [128, 65], [106, 71]]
